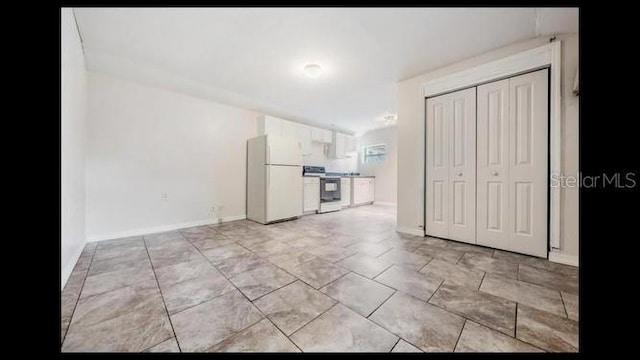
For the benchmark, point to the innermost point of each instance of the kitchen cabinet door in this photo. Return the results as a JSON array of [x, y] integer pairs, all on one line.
[[321, 135], [350, 145], [289, 129], [304, 135], [371, 190], [345, 192], [360, 191], [341, 145], [311, 195], [272, 126]]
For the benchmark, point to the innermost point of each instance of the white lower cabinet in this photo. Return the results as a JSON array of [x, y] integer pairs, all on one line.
[[345, 192], [363, 190], [311, 193]]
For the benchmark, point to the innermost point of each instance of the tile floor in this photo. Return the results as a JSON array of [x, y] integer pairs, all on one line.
[[343, 281]]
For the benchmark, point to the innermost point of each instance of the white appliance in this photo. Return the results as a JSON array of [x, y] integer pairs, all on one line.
[[274, 178]]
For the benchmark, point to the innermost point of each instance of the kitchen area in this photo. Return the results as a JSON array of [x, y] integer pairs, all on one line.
[[294, 169]]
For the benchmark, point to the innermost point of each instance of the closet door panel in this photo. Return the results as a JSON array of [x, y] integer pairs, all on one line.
[[492, 164], [528, 157], [437, 169], [462, 166]]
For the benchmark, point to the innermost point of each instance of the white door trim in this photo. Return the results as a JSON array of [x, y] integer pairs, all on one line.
[[542, 56]]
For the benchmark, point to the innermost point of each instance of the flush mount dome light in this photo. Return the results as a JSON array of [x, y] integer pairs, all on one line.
[[389, 119], [312, 70]]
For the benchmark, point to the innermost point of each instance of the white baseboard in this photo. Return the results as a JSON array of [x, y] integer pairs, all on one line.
[[411, 231], [385, 203], [162, 228], [66, 271], [562, 258]]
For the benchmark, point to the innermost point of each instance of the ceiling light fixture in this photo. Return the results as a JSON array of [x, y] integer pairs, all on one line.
[[312, 70], [389, 119]]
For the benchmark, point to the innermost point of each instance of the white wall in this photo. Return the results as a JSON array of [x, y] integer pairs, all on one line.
[[385, 171], [73, 134], [145, 141], [411, 138]]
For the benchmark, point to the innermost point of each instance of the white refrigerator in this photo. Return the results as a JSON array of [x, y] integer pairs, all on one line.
[[274, 178]]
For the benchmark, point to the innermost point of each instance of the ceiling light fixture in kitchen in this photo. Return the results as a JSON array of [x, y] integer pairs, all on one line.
[[312, 70], [389, 119]]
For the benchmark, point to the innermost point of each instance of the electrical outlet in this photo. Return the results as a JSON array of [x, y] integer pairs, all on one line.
[[164, 196]]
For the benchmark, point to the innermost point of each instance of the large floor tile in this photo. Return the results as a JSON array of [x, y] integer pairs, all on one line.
[[172, 254], [208, 243], [107, 281], [187, 284], [306, 242], [404, 258], [261, 337], [524, 293], [404, 347], [563, 269], [332, 253], [261, 280], [358, 293], [547, 331], [318, 272], [122, 242], [239, 264], [365, 265], [167, 346], [127, 260], [571, 305], [290, 258], [548, 279], [69, 298], [202, 326], [159, 239], [486, 309], [423, 325], [343, 240], [340, 329], [436, 241], [469, 248], [136, 247], [293, 306], [224, 252], [478, 338], [269, 247], [439, 252], [486, 263], [402, 244], [453, 273], [127, 319], [410, 282], [370, 249]]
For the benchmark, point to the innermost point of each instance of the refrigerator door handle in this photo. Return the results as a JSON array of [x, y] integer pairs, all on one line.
[[268, 178]]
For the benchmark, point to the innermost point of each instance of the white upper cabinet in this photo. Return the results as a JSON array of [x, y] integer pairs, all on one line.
[[269, 125], [321, 135], [351, 146], [304, 135], [343, 146], [289, 129]]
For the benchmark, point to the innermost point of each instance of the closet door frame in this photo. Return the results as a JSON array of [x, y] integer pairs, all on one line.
[[544, 56]]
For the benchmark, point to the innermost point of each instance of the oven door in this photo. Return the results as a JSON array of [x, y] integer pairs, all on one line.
[[329, 190]]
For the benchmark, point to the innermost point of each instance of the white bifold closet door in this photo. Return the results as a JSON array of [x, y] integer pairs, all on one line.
[[450, 195], [512, 134]]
